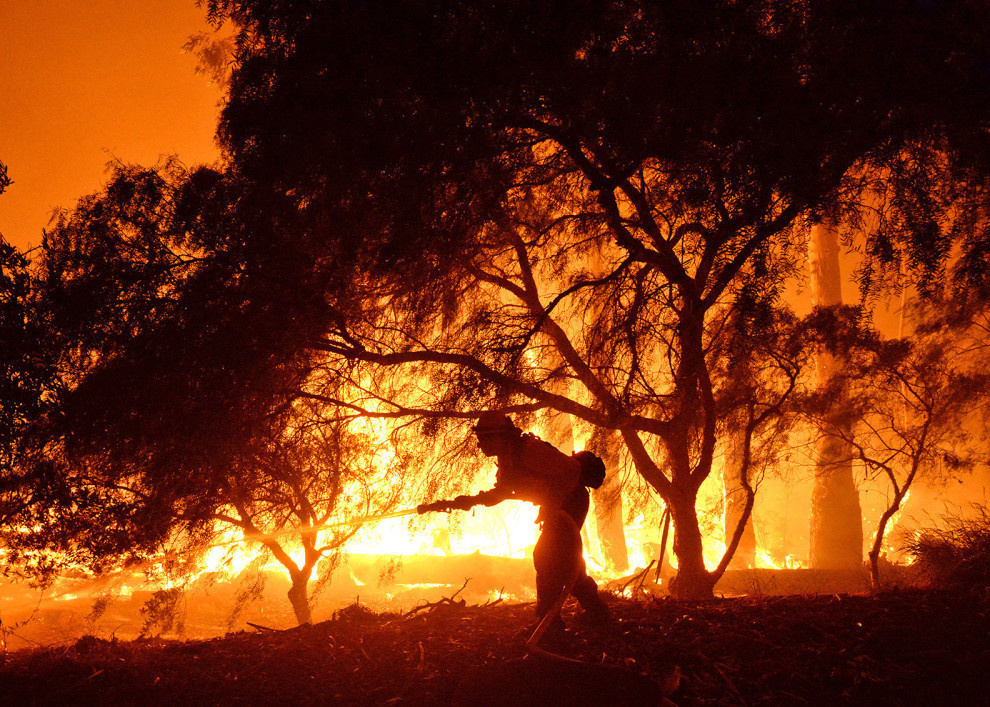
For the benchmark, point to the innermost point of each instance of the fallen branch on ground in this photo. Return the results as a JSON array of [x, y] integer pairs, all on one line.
[[432, 606]]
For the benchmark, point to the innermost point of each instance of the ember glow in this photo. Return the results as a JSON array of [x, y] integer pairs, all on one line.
[[419, 556], [644, 300]]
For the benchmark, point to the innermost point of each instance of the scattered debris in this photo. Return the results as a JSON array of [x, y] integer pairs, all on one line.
[[910, 647]]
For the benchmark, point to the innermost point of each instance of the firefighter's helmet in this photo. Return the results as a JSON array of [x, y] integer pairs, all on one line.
[[494, 424]]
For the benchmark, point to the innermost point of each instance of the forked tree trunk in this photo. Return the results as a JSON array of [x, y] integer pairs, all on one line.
[[836, 515], [298, 597], [689, 459], [693, 580]]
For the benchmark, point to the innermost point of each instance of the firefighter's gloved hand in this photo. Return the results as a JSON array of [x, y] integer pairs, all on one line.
[[463, 503], [435, 506]]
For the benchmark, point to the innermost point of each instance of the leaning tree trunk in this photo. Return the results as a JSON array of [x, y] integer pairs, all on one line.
[[836, 516], [735, 504], [904, 328], [680, 493]]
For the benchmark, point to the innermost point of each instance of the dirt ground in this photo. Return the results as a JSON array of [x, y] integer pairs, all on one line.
[[901, 648]]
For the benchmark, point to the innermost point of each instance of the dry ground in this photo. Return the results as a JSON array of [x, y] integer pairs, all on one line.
[[902, 648]]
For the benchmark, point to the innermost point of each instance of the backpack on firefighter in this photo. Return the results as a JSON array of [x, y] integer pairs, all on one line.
[[592, 468]]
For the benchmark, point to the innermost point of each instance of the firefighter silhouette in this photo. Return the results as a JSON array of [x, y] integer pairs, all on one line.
[[530, 469]]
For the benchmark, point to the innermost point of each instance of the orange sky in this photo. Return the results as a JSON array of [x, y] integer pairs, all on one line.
[[86, 81]]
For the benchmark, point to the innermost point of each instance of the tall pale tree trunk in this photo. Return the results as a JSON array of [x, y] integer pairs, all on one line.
[[836, 515], [560, 433], [607, 506], [608, 510]]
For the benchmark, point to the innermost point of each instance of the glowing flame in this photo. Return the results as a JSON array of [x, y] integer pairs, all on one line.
[[506, 530], [765, 560]]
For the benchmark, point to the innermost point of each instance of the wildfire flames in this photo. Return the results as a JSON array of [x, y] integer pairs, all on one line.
[[397, 562]]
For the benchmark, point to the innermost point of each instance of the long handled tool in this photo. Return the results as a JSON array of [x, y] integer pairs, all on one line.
[[370, 519], [323, 526], [532, 645], [444, 506]]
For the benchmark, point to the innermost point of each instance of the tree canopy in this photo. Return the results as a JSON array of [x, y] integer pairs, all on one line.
[[611, 189], [585, 208]]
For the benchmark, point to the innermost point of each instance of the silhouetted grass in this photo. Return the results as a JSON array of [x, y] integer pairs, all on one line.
[[956, 553]]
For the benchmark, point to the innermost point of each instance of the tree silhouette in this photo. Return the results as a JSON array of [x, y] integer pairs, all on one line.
[[25, 378], [29, 383], [913, 405], [5, 180], [183, 413], [415, 193], [465, 162]]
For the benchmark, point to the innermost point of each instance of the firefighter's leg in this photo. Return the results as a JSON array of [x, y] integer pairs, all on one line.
[[550, 577], [586, 591], [555, 555]]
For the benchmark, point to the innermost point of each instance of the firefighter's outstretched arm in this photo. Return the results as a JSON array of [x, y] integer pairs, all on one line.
[[464, 503]]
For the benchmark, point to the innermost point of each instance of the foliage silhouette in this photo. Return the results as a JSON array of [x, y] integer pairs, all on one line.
[[589, 209], [468, 161]]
